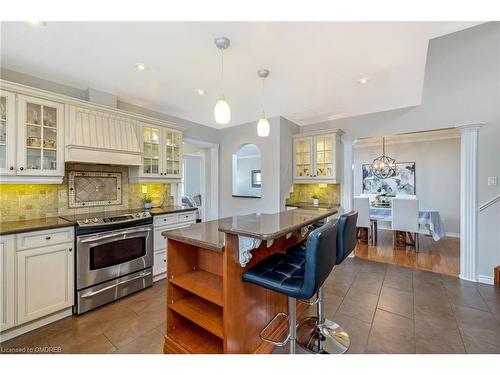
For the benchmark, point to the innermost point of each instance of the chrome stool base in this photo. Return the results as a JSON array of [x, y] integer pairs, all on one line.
[[326, 338]]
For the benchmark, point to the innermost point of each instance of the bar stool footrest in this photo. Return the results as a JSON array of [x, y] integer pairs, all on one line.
[[262, 333]]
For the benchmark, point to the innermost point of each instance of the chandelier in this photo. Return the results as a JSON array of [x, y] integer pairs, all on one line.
[[383, 166]]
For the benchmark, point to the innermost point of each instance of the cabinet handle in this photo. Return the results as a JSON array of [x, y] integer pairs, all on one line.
[[70, 249], [11, 168], [22, 168], [164, 261], [48, 238]]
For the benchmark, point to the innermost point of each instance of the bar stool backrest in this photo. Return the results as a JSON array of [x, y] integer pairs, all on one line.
[[321, 249], [346, 237]]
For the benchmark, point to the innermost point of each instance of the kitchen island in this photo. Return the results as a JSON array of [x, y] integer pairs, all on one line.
[[209, 308]]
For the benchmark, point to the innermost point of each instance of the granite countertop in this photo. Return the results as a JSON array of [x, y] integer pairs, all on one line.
[[309, 205], [169, 210], [272, 226], [22, 226], [205, 234]]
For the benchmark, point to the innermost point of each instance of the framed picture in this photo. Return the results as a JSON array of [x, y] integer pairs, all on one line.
[[256, 178], [403, 182]]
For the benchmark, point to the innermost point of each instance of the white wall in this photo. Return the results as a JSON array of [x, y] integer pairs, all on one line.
[[461, 86], [437, 174], [192, 175], [231, 139], [245, 166]]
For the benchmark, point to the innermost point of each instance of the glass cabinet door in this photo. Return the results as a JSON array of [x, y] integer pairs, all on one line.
[[324, 149], [40, 150], [303, 157], [172, 158], [7, 133], [151, 142]]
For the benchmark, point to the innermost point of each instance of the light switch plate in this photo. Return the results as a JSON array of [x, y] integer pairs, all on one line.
[[493, 181]]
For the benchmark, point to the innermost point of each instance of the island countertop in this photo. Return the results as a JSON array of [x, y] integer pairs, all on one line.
[[272, 226], [205, 235]]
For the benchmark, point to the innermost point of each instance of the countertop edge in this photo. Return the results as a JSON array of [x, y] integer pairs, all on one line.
[[275, 235], [190, 241], [173, 211], [36, 228]]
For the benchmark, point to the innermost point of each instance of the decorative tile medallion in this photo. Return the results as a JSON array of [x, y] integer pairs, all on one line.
[[94, 189]]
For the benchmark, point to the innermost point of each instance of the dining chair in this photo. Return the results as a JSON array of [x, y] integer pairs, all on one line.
[[362, 206], [405, 218]]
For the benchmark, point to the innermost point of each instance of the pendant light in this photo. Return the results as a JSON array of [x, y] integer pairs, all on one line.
[[222, 112], [263, 127], [383, 166]]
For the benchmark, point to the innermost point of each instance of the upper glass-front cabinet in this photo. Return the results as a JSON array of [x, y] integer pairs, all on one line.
[[7, 133], [40, 140], [316, 157], [162, 149], [151, 142], [303, 157], [172, 156]]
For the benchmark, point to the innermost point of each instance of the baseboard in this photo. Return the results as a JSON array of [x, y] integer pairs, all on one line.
[[159, 277], [486, 280], [25, 328], [452, 234]]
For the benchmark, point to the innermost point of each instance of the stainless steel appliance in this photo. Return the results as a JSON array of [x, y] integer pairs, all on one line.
[[114, 257]]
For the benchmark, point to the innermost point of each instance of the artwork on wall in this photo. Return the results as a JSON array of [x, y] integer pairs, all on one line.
[[403, 182]]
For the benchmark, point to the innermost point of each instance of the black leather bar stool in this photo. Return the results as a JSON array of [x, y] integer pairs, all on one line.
[[296, 276], [315, 333]]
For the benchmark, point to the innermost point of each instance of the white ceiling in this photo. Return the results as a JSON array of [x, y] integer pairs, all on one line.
[[314, 66]]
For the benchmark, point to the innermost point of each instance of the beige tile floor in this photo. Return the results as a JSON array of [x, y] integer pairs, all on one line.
[[384, 308]]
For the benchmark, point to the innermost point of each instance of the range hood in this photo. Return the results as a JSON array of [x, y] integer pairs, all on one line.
[[102, 137]]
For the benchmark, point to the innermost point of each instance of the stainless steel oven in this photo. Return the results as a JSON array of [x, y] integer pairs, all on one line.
[[114, 257]]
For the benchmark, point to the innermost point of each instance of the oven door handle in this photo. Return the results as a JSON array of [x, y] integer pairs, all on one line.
[[128, 231], [141, 276]]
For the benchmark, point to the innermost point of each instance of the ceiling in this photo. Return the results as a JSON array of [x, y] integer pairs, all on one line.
[[315, 66], [433, 135]]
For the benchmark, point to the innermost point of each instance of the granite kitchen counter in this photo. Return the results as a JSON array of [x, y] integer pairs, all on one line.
[[309, 205], [169, 210], [22, 226], [272, 226], [205, 235]]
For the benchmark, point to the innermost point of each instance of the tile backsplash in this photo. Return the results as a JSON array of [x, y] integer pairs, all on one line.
[[23, 202], [328, 193]]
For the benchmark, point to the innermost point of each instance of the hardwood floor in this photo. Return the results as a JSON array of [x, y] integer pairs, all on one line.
[[442, 256], [384, 308]]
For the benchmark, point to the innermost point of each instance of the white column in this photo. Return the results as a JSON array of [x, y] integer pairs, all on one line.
[[347, 188], [468, 201]]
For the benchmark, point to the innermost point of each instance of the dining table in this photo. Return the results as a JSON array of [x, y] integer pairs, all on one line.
[[430, 219]]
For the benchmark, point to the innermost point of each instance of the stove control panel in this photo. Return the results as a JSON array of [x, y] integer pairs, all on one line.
[[128, 217]]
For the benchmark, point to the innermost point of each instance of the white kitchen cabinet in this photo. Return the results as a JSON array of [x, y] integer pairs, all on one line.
[[40, 137], [45, 281], [316, 158], [7, 285], [162, 223], [161, 155], [7, 133]]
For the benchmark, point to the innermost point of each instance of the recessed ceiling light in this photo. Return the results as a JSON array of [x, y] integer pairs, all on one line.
[[141, 66], [38, 23], [200, 92], [363, 80]]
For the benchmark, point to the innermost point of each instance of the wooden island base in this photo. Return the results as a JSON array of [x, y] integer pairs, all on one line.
[[210, 309]]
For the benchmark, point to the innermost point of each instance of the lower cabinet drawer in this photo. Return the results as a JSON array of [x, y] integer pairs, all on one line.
[[165, 220], [160, 262], [187, 216], [41, 238]]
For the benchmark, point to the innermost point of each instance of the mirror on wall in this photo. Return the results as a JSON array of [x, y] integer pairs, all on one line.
[[247, 175]]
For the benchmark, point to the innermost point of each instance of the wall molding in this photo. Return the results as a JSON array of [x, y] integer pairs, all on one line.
[[486, 279], [489, 203]]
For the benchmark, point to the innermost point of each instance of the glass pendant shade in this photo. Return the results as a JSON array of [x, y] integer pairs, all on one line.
[[263, 127], [222, 112]]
